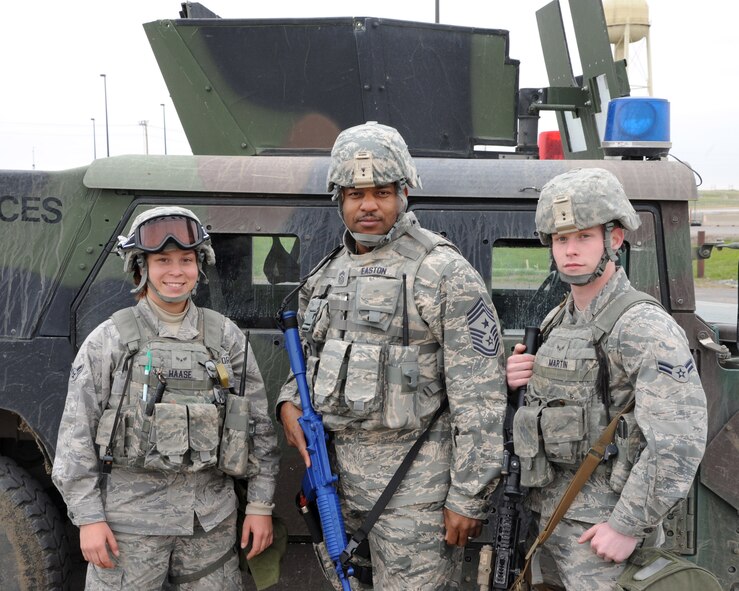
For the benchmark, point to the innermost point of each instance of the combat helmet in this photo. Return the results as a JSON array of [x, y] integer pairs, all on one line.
[[158, 229], [584, 198], [372, 155], [369, 155]]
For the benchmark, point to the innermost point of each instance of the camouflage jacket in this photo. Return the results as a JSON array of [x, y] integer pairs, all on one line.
[[145, 501], [663, 439], [377, 394]]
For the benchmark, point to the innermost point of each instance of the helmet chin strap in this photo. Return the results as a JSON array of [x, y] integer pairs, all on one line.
[[608, 255], [374, 240], [169, 299], [140, 261]]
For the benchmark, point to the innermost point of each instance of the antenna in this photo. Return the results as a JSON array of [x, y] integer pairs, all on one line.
[[579, 101]]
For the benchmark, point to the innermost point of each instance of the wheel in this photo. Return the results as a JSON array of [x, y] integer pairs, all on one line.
[[34, 552]]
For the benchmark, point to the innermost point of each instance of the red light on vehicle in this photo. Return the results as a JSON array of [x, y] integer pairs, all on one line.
[[550, 146]]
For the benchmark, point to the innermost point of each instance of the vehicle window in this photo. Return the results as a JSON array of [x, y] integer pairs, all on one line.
[[252, 275], [525, 285], [517, 268], [261, 254]]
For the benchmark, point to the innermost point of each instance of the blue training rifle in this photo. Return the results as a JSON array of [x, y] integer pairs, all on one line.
[[319, 484]]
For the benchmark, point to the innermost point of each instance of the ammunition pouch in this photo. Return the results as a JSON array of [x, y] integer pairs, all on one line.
[[405, 404], [180, 438], [536, 470], [233, 455], [564, 433], [376, 301]]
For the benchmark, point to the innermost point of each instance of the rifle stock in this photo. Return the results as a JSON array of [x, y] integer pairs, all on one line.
[[319, 483]]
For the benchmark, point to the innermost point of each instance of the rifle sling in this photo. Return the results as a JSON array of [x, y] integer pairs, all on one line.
[[586, 469], [360, 535]]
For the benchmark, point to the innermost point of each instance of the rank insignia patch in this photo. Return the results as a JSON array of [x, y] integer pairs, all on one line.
[[76, 371], [679, 373], [483, 330]]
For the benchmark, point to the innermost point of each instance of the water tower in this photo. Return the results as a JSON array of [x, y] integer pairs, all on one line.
[[628, 22]]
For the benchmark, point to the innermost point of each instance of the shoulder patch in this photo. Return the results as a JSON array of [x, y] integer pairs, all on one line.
[[679, 373], [483, 329], [76, 371]]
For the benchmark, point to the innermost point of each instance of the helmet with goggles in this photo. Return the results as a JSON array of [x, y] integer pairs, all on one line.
[[162, 228], [154, 234]]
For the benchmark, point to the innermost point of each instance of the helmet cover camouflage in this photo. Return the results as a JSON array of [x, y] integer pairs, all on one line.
[[582, 198], [371, 155]]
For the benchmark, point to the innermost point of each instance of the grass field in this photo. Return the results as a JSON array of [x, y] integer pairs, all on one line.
[[717, 198], [722, 266]]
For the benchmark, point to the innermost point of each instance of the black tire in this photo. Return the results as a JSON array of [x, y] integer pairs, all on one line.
[[34, 551]]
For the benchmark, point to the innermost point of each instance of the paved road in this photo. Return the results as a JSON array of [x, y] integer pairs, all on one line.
[[717, 304]]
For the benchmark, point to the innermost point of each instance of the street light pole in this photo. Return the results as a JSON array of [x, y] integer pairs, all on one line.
[[94, 140], [107, 136], [145, 125], [164, 122]]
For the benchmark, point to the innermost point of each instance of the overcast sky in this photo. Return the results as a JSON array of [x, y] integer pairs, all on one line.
[[52, 55]]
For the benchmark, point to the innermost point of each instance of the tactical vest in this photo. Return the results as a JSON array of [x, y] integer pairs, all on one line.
[[373, 359], [565, 411], [166, 411]]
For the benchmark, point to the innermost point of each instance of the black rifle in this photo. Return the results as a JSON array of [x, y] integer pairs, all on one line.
[[509, 548]]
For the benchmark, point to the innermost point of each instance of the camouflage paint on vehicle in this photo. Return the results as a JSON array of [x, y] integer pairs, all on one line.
[[360, 69]]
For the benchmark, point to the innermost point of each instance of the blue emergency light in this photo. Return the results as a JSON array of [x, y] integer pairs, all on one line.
[[637, 127]]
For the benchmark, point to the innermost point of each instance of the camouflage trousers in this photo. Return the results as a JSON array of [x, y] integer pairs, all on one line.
[[145, 562], [563, 563], [408, 550]]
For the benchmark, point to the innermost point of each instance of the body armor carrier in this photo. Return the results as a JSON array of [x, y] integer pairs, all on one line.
[[568, 398], [373, 359], [168, 406]]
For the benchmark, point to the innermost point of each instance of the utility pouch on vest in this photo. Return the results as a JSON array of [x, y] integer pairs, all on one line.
[[563, 430], [131, 440], [400, 410], [376, 301], [536, 471], [628, 442], [203, 422], [168, 438], [363, 383], [137, 434], [329, 377], [103, 435], [311, 365], [655, 569], [316, 319], [234, 452]]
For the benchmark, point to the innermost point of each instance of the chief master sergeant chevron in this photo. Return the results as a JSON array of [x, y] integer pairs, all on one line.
[[397, 322]]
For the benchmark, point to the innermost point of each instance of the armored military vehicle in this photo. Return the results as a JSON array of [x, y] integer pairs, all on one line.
[[261, 102]]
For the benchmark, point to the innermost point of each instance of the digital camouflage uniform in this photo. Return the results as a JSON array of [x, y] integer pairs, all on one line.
[[376, 395], [660, 443], [155, 512]]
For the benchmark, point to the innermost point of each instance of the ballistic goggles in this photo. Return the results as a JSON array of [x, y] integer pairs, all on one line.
[[154, 234]]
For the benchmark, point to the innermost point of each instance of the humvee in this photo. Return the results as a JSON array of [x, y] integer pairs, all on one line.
[[261, 102]]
